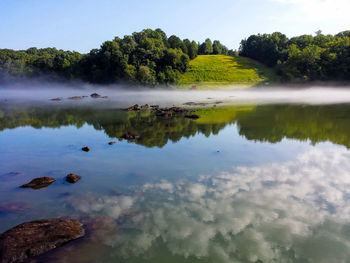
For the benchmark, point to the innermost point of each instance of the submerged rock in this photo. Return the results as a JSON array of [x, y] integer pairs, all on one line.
[[14, 207], [99, 232], [95, 95], [111, 143], [56, 99], [179, 110], [130, 136], [12, 174], [192, 116], [146, 106], [73, 178], [34, 238], [191, 103], [135, 107], [76, 98], [85, 149], [163, 113], [39, 183]]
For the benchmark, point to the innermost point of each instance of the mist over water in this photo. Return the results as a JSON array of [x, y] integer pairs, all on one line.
[[124, 96]]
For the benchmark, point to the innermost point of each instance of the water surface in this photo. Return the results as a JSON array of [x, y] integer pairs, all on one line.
[[244, 183]]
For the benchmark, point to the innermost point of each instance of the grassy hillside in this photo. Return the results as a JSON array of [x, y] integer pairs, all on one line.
[[218, 70]]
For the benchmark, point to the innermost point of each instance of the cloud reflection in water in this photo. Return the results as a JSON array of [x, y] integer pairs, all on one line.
[[297, 211]]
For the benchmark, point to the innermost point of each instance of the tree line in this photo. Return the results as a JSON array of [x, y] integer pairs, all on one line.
[[151, 57], [147, 57], [302, 58]]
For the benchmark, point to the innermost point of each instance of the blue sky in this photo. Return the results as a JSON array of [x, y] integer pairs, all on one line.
[[84, 24]]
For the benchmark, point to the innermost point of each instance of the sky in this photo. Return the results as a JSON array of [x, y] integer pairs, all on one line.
[[82, 25]]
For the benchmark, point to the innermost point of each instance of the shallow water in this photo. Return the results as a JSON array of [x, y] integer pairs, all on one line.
[[244, 183]]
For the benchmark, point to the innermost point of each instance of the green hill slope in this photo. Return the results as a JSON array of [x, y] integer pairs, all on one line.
[[210, 71]]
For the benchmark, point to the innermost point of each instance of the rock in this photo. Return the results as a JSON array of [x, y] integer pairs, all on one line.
[[95, 95], [73, 178], [99, 231], [191, 103], [56, 99], [130, 136], [162, 113], [136, 107], [146, 106], [12, 174], [194, 87], [14, 207], [155, 106], [104, 97], [37, 237], [39, 183], [178, 110], [111, 143], [76, 98], [85, 149], [192, 116]]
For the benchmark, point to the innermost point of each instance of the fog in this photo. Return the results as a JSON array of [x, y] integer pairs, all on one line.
[[123, 96]]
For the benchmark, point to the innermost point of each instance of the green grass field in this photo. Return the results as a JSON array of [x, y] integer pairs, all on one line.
[[212, 71]]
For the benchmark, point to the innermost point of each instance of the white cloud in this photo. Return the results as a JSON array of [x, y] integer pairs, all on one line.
[[278, 211], [113, 206]]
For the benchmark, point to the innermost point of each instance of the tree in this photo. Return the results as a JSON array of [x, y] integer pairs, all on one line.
[[206, 48]]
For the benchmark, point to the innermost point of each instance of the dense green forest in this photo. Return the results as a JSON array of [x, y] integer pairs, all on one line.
[[151, 57], [302, 58], [147, 57]]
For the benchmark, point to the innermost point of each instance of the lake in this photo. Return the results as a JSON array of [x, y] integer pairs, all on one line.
[[255, 179]]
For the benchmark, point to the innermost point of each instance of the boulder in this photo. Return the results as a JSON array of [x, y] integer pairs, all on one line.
[[191, 103], [72, 178], [76, 98], [135, 107], [14, 207], [99, 231], [178, 110], [111, 143], [85, 149], [39, 182], [162, 113], [95, 95], [56, 99], [37, 237], [130, 136], [146, 106]]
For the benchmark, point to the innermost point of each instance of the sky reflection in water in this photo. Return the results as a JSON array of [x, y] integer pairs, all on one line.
[[244, 184]]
